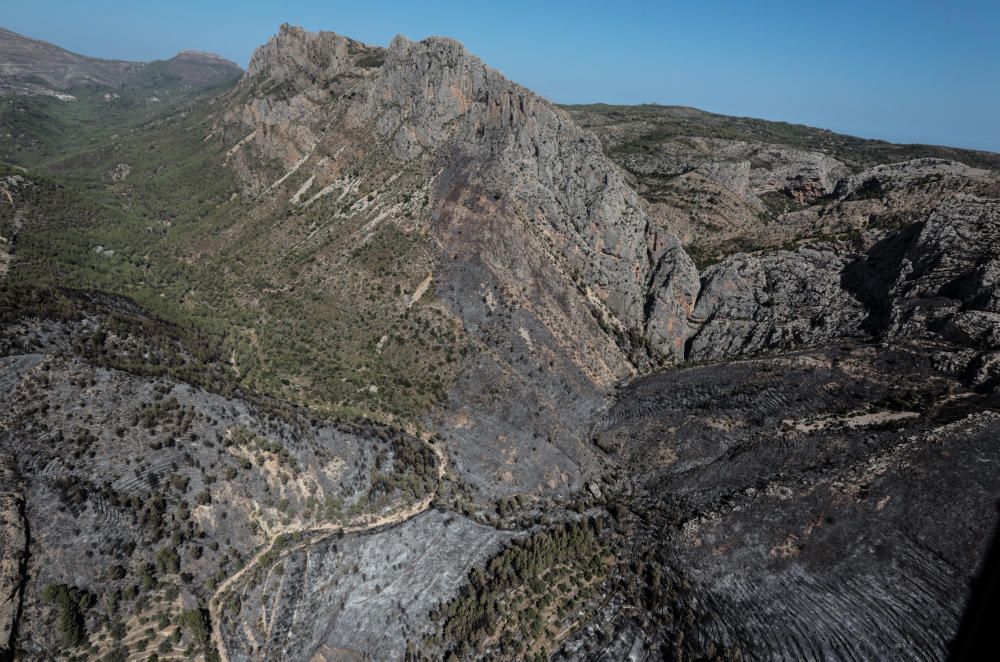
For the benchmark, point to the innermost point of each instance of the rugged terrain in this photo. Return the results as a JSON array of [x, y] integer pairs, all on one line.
[[374, 353]]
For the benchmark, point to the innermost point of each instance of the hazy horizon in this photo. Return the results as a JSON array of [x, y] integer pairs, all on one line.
[[914, 72]]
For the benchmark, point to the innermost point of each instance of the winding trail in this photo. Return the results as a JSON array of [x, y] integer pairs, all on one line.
[[314, 534]]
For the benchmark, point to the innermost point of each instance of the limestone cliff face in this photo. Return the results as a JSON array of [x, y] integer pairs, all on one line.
[[308, 61], [284, 94], [946, 286], [752, 303], [954, 256], [673, 296], [436, 100], [527, 154], [544, 254]]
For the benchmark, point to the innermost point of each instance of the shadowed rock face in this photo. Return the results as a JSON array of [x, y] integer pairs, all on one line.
[[753, 303], [936, 281], [671, 304], [953, 257]]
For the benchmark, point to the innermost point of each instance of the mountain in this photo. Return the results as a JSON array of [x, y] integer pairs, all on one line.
[[538, 254], [29, 66], [28, 62], [374, 352]]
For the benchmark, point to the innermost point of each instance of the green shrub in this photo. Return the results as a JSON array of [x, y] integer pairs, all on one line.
[[71, 604], [168, 561]]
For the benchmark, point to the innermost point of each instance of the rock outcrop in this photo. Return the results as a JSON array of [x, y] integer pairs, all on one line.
[[953, 256], [673, 296], [938, 279], [753, 303]]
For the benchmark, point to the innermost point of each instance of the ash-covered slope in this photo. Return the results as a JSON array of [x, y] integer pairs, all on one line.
[[822, 505]]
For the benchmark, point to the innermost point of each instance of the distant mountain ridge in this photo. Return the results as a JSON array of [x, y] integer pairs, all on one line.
[[640, 124], [31, 66]]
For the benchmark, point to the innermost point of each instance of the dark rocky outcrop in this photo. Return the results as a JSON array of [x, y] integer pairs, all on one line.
[[753, 303]]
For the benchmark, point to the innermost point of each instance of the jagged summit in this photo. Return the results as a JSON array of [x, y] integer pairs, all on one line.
[[308, 58]]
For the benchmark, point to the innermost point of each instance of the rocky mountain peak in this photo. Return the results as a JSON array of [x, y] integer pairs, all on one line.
[[205, 58], [305, 59], [421, 87], [400, 41], [432, 100]]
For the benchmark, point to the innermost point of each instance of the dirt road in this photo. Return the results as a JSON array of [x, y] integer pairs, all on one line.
[[316, 534]]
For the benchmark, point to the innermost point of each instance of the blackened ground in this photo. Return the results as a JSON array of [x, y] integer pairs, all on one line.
[[819, 505]]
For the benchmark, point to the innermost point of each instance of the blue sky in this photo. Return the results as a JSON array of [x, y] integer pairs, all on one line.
[[915, 71]]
